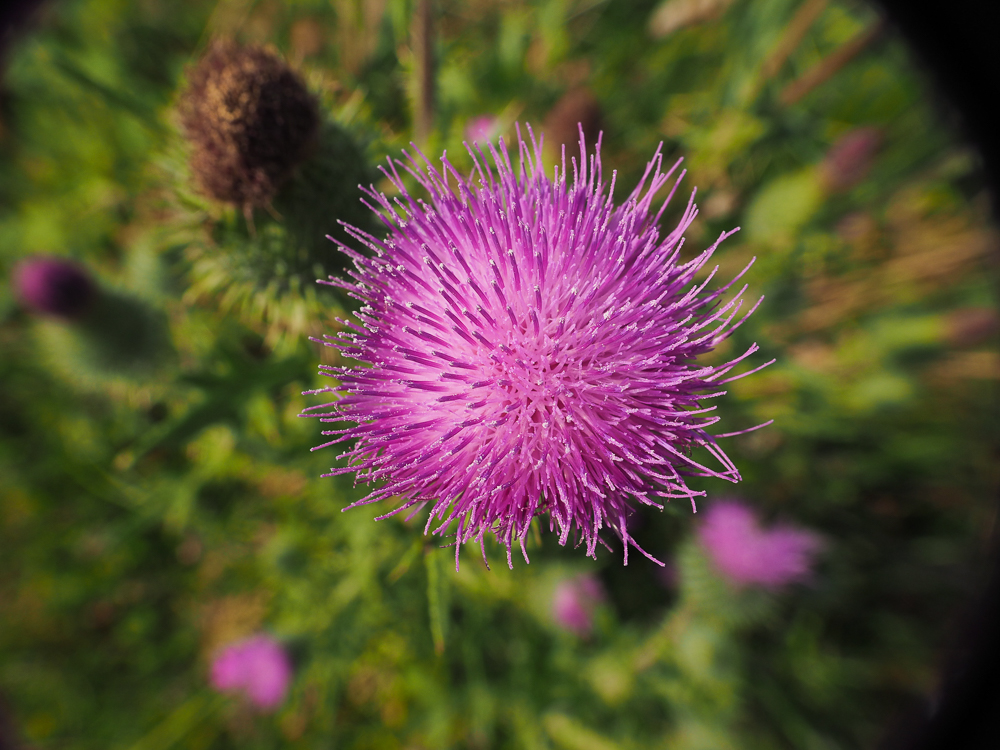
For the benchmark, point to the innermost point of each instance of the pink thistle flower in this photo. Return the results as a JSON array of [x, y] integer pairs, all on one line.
[[54, 286], [258, 667], [574, 601], [745, 554], [481, 129], [527, 348]]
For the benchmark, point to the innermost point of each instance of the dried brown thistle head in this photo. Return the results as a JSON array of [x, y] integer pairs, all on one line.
[[250, 121]]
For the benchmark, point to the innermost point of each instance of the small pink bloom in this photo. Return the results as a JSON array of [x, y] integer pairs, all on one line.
[[744, 553], [258, 667], [574, 601], [482, 129]]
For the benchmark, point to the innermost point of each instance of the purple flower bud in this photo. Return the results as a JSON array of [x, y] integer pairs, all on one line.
[[850, 158], [746, 554], [257, 667], [54, 286], [574, 601], [529, 349]]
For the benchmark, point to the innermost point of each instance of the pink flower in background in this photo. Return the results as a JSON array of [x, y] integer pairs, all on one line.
[[574, 601], [258, 667], [481, 129], [850, 158], [54, 286], [744, 553]]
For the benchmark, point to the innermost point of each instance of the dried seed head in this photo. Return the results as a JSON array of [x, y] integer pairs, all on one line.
[[250, 121]]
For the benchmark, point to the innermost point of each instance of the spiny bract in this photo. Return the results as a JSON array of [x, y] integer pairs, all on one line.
[[527, 348]]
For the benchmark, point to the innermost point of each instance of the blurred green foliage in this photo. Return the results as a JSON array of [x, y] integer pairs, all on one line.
[[149, 518]]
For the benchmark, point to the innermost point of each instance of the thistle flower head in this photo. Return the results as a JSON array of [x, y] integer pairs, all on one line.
[[257, 667], [527, 349], [249, 119], [746, 554], [54, 286]]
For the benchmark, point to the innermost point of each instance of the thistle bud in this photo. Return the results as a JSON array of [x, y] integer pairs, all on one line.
[[96, 335], [250, 121], [54, 286], [258, 139]]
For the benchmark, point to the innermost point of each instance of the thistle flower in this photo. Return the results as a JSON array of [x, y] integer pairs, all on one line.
[[526, 348], [257, 667], [249, 119], [573, 603], [744, 553], [54, 286]]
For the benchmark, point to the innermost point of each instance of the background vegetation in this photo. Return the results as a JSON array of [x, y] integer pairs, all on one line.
[[160, 500]]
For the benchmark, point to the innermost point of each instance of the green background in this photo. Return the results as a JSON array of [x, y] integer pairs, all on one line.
[[160, 500]]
